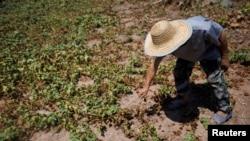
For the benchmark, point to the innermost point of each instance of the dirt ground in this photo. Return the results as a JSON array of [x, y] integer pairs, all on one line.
[[173, 125]]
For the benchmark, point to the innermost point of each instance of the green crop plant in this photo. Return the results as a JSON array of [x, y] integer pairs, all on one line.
[[190, 136], [240, 56], [245, 8], [205, 122], [148, 132]]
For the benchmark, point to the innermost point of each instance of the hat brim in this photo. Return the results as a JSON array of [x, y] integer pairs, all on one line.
[[183, 33]]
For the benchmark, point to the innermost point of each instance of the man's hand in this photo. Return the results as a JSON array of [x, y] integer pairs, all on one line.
[[143, 92], [224, 63]]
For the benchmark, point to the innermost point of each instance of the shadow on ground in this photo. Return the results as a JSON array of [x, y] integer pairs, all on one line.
[[202, 97]]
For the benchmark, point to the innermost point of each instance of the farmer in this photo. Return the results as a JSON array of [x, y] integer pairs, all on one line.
[[196, 39]]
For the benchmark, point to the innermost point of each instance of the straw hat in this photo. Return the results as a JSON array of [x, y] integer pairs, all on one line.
[[165, 37]]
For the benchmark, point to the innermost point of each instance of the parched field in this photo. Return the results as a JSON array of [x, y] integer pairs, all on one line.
[[70, 70]]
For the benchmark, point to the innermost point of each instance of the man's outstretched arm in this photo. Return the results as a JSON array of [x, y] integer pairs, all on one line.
[[152, 69]]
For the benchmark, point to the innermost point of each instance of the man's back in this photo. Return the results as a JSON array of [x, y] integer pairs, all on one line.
[[203, 41]]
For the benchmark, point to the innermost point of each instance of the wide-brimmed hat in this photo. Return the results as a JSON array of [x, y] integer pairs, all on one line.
[[166, 36]]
